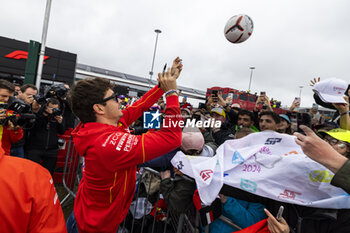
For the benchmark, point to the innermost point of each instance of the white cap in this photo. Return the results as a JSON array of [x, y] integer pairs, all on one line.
[[331, 90]]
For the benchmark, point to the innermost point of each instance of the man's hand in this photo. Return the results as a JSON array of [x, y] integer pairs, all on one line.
[[165, 174], [320, 151], [275, 226], [221, 100], [12, 126], [168, 80], [177, 171], [313, 82], [176, 68], [59, 119]]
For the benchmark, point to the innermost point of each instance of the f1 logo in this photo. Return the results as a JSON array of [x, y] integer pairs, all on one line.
[[273, 141], [20, 54], [151, 120]]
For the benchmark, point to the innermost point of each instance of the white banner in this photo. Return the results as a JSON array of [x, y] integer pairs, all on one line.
[[267, 164]]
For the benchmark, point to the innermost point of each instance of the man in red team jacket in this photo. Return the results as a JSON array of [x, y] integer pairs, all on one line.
[[111, 152]]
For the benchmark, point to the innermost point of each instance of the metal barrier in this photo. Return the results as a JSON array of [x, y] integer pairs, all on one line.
[[170, 222], [159, 221], [71, 171]]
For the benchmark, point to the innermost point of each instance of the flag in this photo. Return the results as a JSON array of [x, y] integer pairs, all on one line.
[[267, 164]]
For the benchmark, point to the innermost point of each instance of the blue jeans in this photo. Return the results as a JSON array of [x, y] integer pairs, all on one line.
[[71, 224], [17, 152]]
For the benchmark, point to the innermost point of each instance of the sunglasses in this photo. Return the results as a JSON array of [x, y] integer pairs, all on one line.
[[114, 96], [334, 142]]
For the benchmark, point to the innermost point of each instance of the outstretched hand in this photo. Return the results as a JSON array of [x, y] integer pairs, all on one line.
[[319, 150], [167, 81], [176, 68]]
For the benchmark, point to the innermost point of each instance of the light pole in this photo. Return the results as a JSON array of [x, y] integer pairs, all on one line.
[[157, 31], [301, 87], [251, 75], [43, 44]]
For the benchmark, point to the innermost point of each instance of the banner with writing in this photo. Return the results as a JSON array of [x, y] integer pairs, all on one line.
[[267, 164]]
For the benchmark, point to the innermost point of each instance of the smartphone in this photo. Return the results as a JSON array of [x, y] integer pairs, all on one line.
[[215, 93], [230, 95], [303, 119], [263, 93], [280, 212], [297, 101]]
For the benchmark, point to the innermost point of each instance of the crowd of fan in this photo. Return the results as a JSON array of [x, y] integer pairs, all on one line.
[[53, 116], [178, 189]]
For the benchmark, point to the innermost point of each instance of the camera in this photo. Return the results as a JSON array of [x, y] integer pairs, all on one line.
[[56, 112], [18, 112], [58, 91]]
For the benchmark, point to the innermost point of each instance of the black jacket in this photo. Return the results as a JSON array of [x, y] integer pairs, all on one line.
[[226, 132], [43, 135], [178, 193]]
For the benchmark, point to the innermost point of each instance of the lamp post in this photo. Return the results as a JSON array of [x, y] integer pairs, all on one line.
[[157, 31], [43, 44], [251, 75], [301, 87]]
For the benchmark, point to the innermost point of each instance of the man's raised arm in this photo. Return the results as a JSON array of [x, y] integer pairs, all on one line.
[[133, 112]]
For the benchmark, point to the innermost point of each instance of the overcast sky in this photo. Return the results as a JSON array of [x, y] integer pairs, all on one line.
[[292, 41]]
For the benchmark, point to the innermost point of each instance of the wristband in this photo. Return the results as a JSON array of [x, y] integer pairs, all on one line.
[[170, 92]]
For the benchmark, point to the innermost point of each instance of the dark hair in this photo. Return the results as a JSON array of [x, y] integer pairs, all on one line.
[[274, 116], [26, 86], [346, 92], [246, 112], [85, 93], [4, 84], [52, 101]]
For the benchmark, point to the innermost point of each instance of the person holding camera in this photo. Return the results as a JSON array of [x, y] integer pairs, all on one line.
[[26, 94], [9, 133], [42, 140]]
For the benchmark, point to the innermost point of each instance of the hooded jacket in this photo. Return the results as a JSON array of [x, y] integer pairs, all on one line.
[[111, 155], [28, 199]]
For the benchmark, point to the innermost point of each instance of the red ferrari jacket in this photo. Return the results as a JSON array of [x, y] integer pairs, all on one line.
[[8, 137], [28, 199], [111, 155]]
